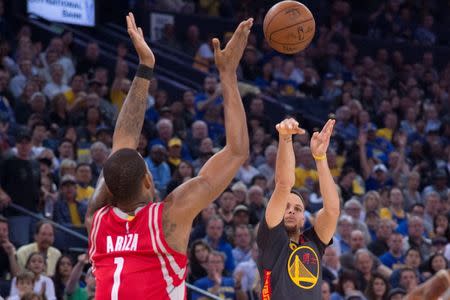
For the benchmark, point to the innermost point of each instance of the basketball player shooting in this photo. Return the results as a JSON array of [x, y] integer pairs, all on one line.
[[281, 239], [138, 247]]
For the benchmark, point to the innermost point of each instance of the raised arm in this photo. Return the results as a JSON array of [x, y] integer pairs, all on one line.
[[131, 117], [327, 216], [284, 172], [185, 202]]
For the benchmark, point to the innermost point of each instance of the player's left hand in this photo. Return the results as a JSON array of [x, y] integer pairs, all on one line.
[[144, 52], [320, 141], [227, 60]]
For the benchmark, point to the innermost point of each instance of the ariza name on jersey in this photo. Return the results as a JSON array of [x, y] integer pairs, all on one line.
[[127, 242]]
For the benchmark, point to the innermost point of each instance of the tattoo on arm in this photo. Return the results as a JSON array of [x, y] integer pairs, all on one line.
[[131, 117]]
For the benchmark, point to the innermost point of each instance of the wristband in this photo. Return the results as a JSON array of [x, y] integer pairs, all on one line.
[[318, 158], [145, 72]]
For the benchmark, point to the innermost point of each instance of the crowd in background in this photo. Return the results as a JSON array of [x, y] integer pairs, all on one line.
[[389, 154]]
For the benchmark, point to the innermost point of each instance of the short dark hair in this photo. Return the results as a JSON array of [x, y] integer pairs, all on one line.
[[123, 172], [297, 193], [42, 223], [82, 165]]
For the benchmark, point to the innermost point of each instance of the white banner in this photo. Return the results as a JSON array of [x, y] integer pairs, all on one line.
[[157, 23], [79, 12]]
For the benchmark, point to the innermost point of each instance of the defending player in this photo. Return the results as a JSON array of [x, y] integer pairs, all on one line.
[[289, 261], [138, 247]]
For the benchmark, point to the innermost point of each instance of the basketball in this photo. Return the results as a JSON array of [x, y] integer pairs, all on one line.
[[289, 27]]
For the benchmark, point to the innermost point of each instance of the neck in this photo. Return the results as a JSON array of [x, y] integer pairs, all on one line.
[[214, 243], [396, 253], [42, 250], [131, 208], [294, 236]]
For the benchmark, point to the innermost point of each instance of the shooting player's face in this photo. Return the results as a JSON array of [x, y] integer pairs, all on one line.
[[294, 216]]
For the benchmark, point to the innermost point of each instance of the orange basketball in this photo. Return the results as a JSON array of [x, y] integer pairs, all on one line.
[[289, 27]]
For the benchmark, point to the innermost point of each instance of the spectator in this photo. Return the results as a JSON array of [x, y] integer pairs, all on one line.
[[424, 34], [44, 238], [243, 244], [98, 154], [378, 288], [357, 242], [249, 272], [211, 97], [63, 270], [408, 279], [214, 238], [227, 203], [215, 282], [91, 59], [84, 178], [69, 210], [56, 85], [192, 40], [267, 169], [12, 183], [158, 167], [394, 258], [415, 237], [183, 172], [24, 285], [395, 212], [74, 290], [8, 263], [198, 260], [384, 231], [43, 285]]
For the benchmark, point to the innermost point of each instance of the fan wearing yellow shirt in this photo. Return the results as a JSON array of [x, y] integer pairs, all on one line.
[[84, 177], [77, 85]]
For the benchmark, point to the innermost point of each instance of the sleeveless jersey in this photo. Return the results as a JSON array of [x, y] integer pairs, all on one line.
[[131, 258]]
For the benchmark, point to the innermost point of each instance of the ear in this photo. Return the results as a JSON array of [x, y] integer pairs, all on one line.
[[148, 182]]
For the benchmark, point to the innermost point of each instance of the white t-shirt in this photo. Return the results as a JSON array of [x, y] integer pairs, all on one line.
[[49, 287]]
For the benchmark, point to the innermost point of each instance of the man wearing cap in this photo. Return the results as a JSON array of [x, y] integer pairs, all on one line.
[[20, 184], [378, 178], [241, 215], [174, 153], [67, 209]]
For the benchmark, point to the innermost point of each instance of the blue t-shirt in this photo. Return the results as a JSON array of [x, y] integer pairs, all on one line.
[[202, 97], [226, 290], [390, 260]]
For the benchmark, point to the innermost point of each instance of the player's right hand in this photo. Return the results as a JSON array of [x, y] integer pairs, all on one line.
[[289, 127], [144, 52], [227, 60]]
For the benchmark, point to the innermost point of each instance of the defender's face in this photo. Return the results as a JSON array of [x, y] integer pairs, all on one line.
[[294, 215]]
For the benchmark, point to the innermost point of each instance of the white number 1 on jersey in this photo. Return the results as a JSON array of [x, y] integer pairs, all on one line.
[[115, 289]]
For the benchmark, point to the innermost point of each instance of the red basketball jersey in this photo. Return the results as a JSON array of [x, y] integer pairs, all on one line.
[[131, 259]]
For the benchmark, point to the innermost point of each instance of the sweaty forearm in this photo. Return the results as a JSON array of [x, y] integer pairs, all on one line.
[[235, 120], [131, 117]]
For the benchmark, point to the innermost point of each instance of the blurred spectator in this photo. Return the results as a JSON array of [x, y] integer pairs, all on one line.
[[158, 167], [68, 209], [415, 237], [8, 263], [198, 260], [75, 289], [215, 239], [43, 285], [424, 34], [44, 238], [63, 270], [242, 241], [17, 172], [393, 258]]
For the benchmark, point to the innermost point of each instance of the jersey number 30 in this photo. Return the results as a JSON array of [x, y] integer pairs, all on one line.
[[115, 289]]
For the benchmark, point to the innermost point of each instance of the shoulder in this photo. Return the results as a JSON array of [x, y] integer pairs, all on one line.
[[54, 251], [26, 248]]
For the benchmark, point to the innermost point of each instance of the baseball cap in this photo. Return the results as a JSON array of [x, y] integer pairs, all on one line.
[[380, 167], [175, 142], [239, 208], [68, 179]]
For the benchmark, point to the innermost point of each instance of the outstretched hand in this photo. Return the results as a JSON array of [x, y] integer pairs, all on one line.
[[320, 141], [227, 60], [144, 52], [289, 127]]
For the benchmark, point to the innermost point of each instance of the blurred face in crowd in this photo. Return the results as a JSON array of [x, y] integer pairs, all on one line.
[[158, 154], [415, 228], [330, 258], [257, 106], [215, 265], [241, 218], [325, 290], [364, 263], [165, 130], [396, 197], [65, 266], [408, 280], [438, 263], [353, 210], [210, 85], [199, 130], [23, 148], [379, 287], [25, 286], [242, 237], [395, 243], [57, 73], [294, 215], [384, 229], [92, 51], [78, 84], [256, 196], [412, 259], [357, 240], [66, 150], [45, 237], [208, 212], [69, 191], [84, 174], [185, 170], [201, 253], [214, 229], [227, 201], [36, 264], [414, 181], [432, 204], [99, 153]]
